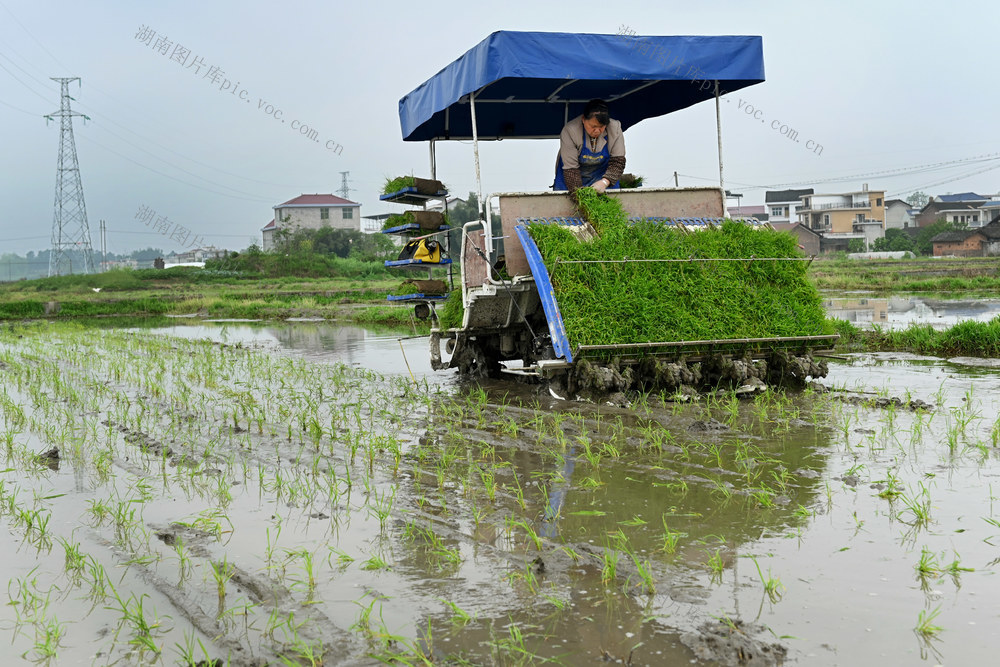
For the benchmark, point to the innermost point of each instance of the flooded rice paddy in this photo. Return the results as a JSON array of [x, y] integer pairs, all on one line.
[[257, 495], [899, 312]]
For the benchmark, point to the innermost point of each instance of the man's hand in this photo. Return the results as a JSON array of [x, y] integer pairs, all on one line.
[[600, 185]]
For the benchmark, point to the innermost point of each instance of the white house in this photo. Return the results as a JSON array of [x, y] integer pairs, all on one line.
[[312, 212], [783, 205], [898, 214]]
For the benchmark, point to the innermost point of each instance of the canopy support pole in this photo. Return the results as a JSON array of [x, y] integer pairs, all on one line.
[[487, 223], [434, 169], [718, 130]]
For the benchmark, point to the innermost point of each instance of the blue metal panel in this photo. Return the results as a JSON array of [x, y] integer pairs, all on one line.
[[557, 329], [415, 262], [413, 227], [417, 297]]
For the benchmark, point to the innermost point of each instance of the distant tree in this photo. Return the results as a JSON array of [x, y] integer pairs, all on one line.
[[918, 199], [374, 247], [330, 241], [896, 240], [461, 213], [856, 245], [147, 254]]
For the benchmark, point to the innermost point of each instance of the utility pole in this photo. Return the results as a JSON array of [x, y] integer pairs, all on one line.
[[104, 247], [344, 191], [70, 230]]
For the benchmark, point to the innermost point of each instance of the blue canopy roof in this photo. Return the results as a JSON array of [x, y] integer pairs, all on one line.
[[528, 84]]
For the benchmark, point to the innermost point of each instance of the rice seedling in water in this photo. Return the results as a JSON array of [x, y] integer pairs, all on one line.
[[609, 565], [919, 506], [925, 623], [530, 532], [459, 616], [670, 538], [772, 585], [133, 615], [716, 564], [644, 570], [375, 562], [221, 572], [928, 565]]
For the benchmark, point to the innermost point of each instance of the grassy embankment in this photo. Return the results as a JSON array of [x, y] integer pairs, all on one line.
[[969, 339], [262, 289]]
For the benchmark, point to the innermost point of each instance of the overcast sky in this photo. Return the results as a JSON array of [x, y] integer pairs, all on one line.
[[889, 91]]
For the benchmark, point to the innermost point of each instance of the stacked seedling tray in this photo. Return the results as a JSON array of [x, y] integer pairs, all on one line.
[[415, 225]]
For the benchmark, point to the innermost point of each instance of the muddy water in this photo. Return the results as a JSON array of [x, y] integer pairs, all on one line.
[[899, 312], [380, 351], [365, 516]]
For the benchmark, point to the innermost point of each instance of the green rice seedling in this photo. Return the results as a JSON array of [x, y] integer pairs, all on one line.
[[919, 505], [716, 564], [773, 587], [383, 506], [99, 581], [928, 565], [99, 510], [893, 489], [76, 561], [620, 539], [343, 558], [530, 532], [375, 562], [609, 565], [724, 488], [446, 557], [48, 634], [634, 521], [518, 491], [644, 571], [670, 538], [925, 623], [763, 495], [459, 617], [527, 576], [186, 651], [308, 569], [955, 567], [302, 652], [221, 572], [133, 615], [489, 484]]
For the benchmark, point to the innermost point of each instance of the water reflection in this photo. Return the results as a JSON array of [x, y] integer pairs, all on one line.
[[899, 312], [383, 351]]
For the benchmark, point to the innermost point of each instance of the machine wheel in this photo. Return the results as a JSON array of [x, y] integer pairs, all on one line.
[[476, 358]]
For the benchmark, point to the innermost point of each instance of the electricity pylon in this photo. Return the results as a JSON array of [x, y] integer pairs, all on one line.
[[70, 230]]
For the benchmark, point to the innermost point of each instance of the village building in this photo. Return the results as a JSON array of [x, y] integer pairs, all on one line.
[[312, 212]]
